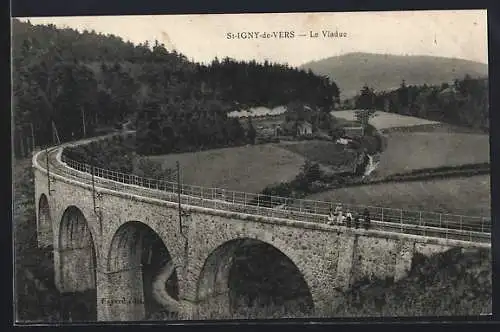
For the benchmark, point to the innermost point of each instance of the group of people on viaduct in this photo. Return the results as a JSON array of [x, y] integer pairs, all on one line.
[[338, 217]]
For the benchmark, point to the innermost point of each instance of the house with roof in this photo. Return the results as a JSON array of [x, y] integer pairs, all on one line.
[[304, 128]]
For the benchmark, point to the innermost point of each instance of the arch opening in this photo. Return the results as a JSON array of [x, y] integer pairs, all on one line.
[[77, 273], [145, 273], [249, 279], [44, 232]]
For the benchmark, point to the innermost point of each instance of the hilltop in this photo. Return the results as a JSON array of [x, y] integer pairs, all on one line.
[[385, 71]]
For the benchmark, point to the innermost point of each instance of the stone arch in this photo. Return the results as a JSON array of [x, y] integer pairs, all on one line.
[[77, 258], [141, 271], [76, 246], [282, 287], [45, 228]]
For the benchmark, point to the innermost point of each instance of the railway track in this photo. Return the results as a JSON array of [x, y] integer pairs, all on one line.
[[406, 226]]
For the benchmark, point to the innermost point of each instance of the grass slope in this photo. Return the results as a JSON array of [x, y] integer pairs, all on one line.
[[385, 72], [412, 151], [384, 120], [454, 283], [323, 152], [468, 196], [247, 168]]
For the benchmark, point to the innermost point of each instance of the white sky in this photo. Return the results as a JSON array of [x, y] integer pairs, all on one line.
[[459, 34]]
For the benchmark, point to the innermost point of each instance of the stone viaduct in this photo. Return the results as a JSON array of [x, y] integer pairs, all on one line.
[[105, 234]]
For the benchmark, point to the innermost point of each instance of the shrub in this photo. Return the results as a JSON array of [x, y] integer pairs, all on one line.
[[117, 154]]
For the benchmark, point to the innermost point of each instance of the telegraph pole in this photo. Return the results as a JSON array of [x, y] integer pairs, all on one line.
[[186, 245], [21, 144], [179, 195], [83, 121], [54, 133], [93, 185], [92, 171], [32, 137], [48, 169]]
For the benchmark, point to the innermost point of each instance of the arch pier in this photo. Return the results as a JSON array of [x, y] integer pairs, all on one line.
[[140, 281], [75, 255], [250, 278], [75, 265], [45, 234]]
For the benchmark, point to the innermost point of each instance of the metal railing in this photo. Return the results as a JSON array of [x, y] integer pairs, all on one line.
[[460, 227]]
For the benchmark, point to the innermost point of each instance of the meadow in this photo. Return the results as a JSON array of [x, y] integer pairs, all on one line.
[[247, 168], [385, 120], [413, 151], [326, 153], [466, 196]]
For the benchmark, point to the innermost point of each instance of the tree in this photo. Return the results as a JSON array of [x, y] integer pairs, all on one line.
[[366, 99], [312, 171], [463, 103], [251, 133], [403, 95], [364, 116], [91, 80]]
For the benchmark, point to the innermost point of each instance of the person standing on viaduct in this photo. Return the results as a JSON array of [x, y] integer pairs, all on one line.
[[366, 218], [357, 220], [348, 218], [338, 210], [331, 217]]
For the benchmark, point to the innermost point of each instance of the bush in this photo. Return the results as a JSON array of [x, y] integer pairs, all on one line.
[[282, 189], [337, 132], [311, 171], [153, 170], [371, 144], [117, 154]]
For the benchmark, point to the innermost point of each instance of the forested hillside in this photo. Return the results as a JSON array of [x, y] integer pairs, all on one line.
[[68, 84], [386, 71], [463, 103]]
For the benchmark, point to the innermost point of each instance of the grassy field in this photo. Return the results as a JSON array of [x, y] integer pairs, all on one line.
[[384, 120], [412, 151], [467, 196], [247, 168]]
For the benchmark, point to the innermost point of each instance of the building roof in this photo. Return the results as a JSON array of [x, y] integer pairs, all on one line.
[[304, 124]]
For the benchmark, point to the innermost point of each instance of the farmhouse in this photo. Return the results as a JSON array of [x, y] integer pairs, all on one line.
[[304, 128]]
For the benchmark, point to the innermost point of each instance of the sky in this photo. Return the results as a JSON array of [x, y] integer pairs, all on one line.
[[455, 34]]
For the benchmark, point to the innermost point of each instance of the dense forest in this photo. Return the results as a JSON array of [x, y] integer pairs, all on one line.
[[69, 84], [462, 103]]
